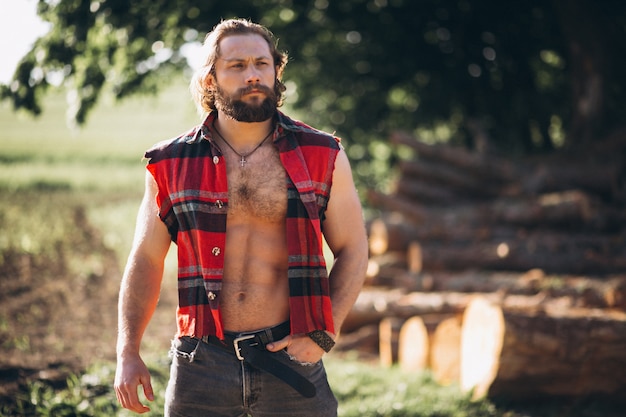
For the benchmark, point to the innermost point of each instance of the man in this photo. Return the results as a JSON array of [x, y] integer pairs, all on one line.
[[245, 196]]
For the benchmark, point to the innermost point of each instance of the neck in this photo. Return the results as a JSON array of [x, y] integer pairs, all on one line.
[[241, 134]]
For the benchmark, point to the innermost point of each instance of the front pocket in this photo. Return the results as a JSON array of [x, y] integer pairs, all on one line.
[[185, 347], [294, 361]]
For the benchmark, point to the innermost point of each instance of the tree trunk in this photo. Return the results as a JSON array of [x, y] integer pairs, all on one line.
[[587, 35]]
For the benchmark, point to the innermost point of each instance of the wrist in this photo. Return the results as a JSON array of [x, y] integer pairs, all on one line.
[[124, 351], [322, 339]]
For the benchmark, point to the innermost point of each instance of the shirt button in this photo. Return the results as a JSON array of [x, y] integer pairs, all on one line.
[[211, 295], [219, 204], [216, 251], [216, 159]]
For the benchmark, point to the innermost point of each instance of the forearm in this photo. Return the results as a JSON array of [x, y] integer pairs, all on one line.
[[139, 295], [346, 280]]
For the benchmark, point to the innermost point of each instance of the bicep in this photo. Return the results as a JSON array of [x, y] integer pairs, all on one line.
[[152, 239], [343, 225]]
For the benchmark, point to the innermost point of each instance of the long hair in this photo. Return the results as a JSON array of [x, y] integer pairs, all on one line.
[[205, 98]]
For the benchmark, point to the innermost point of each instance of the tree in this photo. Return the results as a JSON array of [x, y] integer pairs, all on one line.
[[528, 76]]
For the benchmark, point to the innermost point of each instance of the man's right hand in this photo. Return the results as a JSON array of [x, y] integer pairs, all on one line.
[[132, 372]]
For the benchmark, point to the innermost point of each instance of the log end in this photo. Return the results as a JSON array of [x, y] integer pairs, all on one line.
[[481, 344], [445, 351], [378, 237], [413, 345]]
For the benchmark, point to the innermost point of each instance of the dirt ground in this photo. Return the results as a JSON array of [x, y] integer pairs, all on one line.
[[58, 310]]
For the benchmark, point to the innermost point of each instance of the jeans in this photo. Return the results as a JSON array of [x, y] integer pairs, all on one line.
[[206, 381]]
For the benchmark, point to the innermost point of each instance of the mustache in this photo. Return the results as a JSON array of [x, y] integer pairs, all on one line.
[[258, 87]]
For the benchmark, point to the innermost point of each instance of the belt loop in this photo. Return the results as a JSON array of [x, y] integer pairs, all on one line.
[[192, 355], [266, 336]]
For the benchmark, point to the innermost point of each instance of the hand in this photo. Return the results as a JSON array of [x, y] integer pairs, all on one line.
[[299, 347], [131, 372]]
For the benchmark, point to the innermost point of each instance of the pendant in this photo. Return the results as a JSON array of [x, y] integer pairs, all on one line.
[[243, 160]]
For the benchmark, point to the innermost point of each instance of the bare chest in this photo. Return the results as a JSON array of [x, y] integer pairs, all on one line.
[[257, 190]]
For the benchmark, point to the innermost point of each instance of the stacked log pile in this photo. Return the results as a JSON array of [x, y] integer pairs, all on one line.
[[508, 278], [563, 214]]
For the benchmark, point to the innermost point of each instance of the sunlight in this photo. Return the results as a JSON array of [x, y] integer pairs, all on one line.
[[19, 28]]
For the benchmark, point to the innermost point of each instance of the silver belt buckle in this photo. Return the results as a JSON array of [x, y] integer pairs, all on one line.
[[236, 344]]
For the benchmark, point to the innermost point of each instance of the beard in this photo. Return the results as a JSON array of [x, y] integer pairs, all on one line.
[[233, 105]]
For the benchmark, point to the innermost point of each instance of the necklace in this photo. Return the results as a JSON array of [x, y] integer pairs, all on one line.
[[243, 157]]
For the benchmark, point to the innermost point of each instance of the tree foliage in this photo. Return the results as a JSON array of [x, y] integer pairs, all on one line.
[[529, 75]]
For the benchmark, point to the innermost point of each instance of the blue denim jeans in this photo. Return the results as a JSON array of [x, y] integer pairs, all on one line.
[[206, 381]]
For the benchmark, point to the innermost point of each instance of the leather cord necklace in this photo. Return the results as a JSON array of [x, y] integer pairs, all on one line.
[[243, 157]]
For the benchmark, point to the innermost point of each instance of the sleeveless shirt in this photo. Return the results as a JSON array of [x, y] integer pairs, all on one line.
[[192, 198]]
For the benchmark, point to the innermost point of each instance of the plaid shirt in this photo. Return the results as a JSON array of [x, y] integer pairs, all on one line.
[[190, 172]]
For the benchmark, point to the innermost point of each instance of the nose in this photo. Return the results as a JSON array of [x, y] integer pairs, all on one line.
[[253, 76]]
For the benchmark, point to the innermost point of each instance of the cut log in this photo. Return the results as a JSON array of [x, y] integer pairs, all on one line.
[[425, 191], [396, 259], [394, 232], [390, 233], [383, 270], [585, 291], [487, 166], [445, 351], [551, 251], [371, 306], [413, 345], [601, 180], [571, 208], [546, 174], [563, 212], [414, 258], [374, 304], [415, 213], [448, 177], [481, 281], [389, 333], [521, 255], [364, 341], [553, 351]]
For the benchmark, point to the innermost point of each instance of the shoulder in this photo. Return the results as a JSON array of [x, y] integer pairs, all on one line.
[[175, 147], [307, 135]]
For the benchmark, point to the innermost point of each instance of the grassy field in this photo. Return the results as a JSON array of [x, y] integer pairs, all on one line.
[[67, 215]]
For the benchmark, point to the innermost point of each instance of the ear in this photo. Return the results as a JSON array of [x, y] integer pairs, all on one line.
[[208, 81]]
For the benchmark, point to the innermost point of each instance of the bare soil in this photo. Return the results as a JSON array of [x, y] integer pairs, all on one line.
[[58, 310]]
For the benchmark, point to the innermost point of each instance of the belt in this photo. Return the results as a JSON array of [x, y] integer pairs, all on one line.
[[250, 348]]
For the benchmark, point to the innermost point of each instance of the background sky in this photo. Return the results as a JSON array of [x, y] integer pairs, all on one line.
[[19, 28]]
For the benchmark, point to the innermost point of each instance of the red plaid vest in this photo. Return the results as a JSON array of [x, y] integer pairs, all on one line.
[[193, 202]]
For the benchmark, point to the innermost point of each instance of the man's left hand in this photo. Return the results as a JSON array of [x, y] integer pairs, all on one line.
[[300, 347]]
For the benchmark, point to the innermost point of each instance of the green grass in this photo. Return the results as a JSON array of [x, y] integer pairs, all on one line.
[[363, 390], [104, 155]]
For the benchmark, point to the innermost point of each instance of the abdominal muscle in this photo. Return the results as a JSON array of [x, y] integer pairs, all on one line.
[[255, 289], [255, 292]]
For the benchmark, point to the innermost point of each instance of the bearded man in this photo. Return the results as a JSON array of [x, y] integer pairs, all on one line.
[[249, 197]]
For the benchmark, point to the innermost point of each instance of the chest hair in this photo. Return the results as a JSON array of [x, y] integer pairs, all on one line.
[[258, 189]]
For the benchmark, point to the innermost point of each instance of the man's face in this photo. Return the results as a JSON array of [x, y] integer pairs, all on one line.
[[245, 79]]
